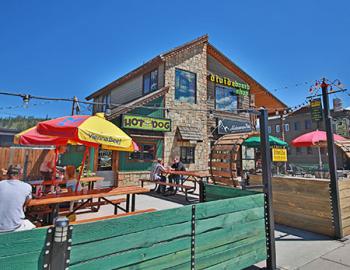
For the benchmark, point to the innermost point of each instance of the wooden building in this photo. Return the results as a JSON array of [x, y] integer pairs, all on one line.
[[178, 104]]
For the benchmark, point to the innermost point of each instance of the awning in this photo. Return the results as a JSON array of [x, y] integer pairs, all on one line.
[[190, 134]]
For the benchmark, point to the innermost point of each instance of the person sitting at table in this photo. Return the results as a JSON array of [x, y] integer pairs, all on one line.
[[174, 178], [14, 196], [156, 175], [71, 179], [49, 162]]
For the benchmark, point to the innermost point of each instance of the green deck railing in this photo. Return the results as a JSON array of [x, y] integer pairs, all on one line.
[[226, 231]]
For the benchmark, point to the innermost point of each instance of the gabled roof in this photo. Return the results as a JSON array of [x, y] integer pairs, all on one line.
[[148, 66], [141, 101], [263, 98]]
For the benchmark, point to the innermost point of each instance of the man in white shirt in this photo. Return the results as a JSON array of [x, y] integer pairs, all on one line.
[[156, 175], [14, 196]]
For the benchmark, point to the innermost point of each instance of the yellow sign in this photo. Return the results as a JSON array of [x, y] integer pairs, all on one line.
[[241, 88], [279, 155]]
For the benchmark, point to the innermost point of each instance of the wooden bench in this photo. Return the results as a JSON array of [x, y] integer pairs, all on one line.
[[185, 188], [65, 210], [114, 216]]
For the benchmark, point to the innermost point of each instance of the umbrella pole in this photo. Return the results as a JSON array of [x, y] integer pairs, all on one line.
[[82, 166], [320, 157]]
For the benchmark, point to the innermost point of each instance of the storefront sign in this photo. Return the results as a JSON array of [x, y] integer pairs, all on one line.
[[316, 109], [227, 126], [279, 155], [241, 89], [146, 123]]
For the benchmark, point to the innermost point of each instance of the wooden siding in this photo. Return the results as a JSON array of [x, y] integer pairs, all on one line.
[[301, 203], [133, 88], [16, 156], [344, 190]]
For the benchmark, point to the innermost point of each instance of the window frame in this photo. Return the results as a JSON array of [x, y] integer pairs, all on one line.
[[296, 126], [194, 154], [307, 124], [195, 86], [285, 127], [309, 150], [279, 128], [237, 100], [153, 143], [150, 81]]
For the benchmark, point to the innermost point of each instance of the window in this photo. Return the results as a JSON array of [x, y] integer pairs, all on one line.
[[307, 124], [104, 161], [309, 150], [150, 81], [269, 129], [278, 128], [187, 155], [185, 86], [147, 153], [103, 103], [106, 101], [286, 127], [298, 150], [296, 126], [323, 150], [226, 99]]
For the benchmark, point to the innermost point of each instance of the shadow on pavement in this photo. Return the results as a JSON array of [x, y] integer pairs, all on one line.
[[178, 198], [285, 233]]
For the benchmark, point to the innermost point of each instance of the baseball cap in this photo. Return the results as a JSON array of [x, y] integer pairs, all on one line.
[[14, 170]]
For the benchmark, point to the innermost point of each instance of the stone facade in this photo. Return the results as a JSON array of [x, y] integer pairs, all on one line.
[[193, 59], [131, 178]]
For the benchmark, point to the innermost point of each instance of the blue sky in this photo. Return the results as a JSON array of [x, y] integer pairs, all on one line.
[[67, 48]]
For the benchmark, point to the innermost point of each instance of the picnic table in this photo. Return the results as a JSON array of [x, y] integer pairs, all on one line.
[[192, 176], [86, 196], [90, 180]]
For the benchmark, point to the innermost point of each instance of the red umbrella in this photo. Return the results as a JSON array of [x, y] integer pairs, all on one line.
[[315, 138]]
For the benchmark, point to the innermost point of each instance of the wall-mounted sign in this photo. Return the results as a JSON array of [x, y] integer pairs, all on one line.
[[146, 123], [240, 88], [227, 126], [316, 109]]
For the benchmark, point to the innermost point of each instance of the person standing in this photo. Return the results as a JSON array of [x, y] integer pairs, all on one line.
[[49, 163], [14, 196], [174, 178], [156, 175]]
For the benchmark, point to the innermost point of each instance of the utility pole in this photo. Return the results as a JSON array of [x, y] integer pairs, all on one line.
[[75, 100], [334, 188]]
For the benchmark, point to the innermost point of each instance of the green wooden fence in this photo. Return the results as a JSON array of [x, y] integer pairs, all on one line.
[[226, 231]]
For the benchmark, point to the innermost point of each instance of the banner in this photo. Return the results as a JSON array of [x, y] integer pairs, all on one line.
[[227, 126], [146, 123], [279, 155]]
